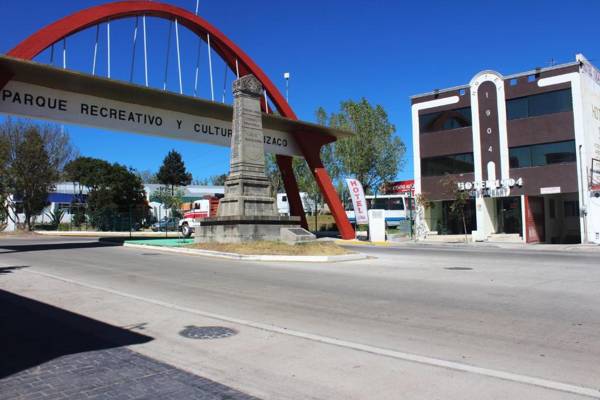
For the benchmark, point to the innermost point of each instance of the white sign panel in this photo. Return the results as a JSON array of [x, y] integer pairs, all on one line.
[[377, 225], [33, 101], [358, 201], [550, 190]]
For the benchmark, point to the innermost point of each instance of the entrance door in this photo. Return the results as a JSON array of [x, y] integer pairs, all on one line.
[[508, 215], [534, 215]]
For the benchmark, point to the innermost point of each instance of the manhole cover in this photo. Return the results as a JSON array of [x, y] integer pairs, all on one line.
[[207, 332], [459, 268]]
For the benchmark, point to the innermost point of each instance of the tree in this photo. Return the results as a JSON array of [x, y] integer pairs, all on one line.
[[55, 141], [172, 171], [272, 172], [90, 172], [32, 174], [116, 199], [147, 176], [373, 155], [218, 180]]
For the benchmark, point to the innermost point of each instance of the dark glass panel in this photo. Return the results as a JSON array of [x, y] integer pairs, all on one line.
[[539, 104], [445, 120], [542, 154], [520, 157], [517, 108], [450, 164]]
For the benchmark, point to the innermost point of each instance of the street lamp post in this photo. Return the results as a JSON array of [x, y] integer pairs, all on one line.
[[286, 76]]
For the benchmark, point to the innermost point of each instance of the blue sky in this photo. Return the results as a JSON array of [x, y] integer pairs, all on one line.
[[335, 50]]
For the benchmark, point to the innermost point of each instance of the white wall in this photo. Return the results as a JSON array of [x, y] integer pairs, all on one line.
[[590, 92]]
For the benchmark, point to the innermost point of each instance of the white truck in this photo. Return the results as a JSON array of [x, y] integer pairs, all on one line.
[[201, 209], [283, 205]]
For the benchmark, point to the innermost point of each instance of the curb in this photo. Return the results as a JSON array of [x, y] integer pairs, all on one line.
[[242, 257], [155, 235], [359, 243]]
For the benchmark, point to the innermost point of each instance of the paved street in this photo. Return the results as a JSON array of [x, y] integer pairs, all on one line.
[[414, 322]]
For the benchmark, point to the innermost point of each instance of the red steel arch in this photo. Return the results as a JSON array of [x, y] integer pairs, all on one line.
[[309, 144]]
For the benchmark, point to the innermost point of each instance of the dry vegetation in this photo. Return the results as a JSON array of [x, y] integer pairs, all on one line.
[[275, 248]]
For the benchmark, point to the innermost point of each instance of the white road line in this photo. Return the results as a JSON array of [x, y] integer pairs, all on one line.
[[508, 376]]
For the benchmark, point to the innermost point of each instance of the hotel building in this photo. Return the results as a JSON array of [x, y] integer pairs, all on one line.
[[524, 147]]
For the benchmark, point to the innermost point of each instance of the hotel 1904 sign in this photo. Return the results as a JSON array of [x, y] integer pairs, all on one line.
[[496, 188]]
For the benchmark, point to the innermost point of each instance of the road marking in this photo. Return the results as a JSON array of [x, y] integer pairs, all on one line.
[[436, 362]]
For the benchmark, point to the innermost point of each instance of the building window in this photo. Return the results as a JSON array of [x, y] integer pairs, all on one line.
[[450, 164], [538, 155], [539, 104], [445, 120]]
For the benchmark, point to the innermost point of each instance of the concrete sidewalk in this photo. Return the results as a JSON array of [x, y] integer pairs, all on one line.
[[483, 245]]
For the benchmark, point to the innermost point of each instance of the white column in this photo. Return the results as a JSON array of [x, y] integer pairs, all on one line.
[[523, 219]]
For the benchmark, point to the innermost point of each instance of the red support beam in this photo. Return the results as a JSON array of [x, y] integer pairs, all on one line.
[[291, 188], [311, 144]]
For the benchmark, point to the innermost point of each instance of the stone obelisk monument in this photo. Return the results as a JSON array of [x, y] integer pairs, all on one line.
[[248, 211]]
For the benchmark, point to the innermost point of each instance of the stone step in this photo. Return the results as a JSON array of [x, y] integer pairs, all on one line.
[[505, 237]]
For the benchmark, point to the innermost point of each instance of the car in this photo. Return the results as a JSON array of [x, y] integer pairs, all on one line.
[[165, 224]]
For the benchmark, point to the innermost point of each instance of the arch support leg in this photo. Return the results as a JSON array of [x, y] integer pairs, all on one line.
[[291, 188], [311, 148]]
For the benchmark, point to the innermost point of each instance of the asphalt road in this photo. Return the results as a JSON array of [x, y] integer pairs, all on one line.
[[525, 312]]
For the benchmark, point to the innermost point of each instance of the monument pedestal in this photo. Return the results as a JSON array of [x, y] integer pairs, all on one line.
[[237, 229], [247, 212]]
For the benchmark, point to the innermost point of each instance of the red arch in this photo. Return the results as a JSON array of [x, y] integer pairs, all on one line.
[[229, 52]]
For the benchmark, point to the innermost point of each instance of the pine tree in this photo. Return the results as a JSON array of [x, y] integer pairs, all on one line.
[[172, 171]]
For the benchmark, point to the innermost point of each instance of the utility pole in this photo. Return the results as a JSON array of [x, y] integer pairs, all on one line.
[[286, 76]]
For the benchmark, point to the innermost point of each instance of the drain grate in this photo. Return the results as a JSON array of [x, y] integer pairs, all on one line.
[[151, 254], [207, 332], [458, 268]]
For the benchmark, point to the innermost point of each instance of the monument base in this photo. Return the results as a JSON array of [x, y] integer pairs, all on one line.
[[240, 229]]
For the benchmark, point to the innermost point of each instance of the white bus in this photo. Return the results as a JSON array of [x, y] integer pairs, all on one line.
[[397, 207]]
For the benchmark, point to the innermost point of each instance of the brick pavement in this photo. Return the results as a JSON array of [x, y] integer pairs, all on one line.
[[109, 374], [52, 354]]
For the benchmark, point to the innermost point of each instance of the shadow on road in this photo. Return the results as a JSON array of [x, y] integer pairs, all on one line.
[[18, 248], [32, 333], [9, 270]]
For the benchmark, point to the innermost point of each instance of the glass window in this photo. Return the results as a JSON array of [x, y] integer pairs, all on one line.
[[520, 157], [553, 153], [517, 108], [539, 104], [450, 164], [445, 120], [379, 203], [396, 203], [542, 154]]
